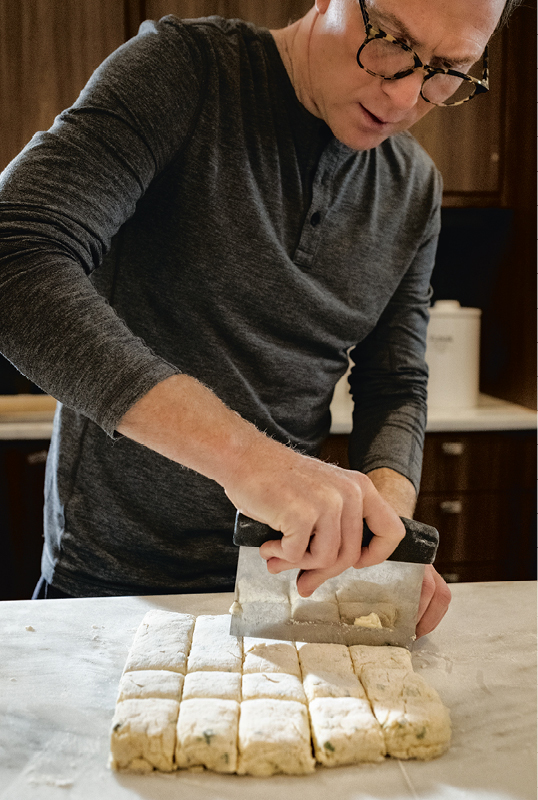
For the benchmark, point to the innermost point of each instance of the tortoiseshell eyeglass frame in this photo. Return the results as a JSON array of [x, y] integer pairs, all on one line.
[[480, 86]]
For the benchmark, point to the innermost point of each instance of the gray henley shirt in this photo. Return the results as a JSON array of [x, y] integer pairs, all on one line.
[[188, 214]]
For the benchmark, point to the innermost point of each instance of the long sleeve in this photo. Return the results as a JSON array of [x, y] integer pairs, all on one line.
[[390, 376], [63, 200]]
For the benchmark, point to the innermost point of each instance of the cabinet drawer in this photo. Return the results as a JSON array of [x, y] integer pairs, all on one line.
[[472, 527], [22, 474], [473, 571], [478, 462]]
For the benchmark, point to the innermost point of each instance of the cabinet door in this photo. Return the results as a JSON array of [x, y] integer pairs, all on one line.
[[48, 50], [465, 141], [22, 473]]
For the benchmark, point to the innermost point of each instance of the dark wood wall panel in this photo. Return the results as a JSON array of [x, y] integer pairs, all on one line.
[[510, 331], [270, 13], [48, 50]]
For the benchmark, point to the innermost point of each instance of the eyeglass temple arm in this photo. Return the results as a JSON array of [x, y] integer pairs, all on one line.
[[364, 13], [485, 71]]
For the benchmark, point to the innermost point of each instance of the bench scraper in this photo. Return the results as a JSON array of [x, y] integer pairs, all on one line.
[[374, 605]]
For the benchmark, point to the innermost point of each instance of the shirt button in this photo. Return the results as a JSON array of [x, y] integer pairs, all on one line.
[[315, 219]]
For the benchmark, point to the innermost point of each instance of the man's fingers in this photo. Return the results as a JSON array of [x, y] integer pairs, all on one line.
[[434, 601]]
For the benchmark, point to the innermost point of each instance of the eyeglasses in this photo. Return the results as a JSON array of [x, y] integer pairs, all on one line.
[[384, 56]]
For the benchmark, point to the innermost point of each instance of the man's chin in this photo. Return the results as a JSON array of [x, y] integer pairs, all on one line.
[[360, 141]]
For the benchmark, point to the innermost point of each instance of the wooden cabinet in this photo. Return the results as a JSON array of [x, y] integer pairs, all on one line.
[[22, 474], [478, 490]]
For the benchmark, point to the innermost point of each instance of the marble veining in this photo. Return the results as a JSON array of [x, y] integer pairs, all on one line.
[[58, 686]]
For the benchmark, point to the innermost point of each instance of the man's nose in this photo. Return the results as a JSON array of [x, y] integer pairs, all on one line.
[[404, 93]]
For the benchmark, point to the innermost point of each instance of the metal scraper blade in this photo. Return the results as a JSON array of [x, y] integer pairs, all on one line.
[[269, 606]]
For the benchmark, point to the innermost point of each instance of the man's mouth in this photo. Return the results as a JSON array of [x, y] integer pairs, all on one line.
[[375, 120]]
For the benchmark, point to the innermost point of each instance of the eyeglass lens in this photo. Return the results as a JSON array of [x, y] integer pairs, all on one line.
[[387, 59]]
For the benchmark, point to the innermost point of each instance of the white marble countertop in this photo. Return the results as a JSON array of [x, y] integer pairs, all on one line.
[[491, 414], [62, 659]]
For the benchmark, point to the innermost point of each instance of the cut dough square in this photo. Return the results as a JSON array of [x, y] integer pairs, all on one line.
[[143, 735], [146, 683], [414, 720], [345, 731], [162, 641], [328, 672], [272, 657], [325, 658], [351, 611], [274, 736], [389, 657], [252, 642], [220, 685], [213, 648], [272, 685], [207, 734]]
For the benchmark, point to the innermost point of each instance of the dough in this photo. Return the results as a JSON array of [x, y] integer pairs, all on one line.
[[207, 734], [150, 683], [213, 648], [272, 657], [221, 685], [370, 621], [143, 735], [272, 685], [261, 715], [253, 642], [162, 641], [415, 722], [328, 672], [274, 736], [364, 655], [345, 731], [385, 612]]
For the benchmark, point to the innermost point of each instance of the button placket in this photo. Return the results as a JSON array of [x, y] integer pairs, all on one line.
[[321, 199]]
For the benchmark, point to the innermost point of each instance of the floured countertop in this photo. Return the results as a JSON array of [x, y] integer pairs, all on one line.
[[61, 661]]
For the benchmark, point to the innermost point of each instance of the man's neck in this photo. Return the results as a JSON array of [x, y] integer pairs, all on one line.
[[293, 43]]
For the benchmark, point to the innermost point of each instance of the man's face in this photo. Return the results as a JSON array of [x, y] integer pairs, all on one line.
[[362, 110]]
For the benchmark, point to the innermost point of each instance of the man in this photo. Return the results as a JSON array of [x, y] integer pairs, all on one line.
[[247, 214]]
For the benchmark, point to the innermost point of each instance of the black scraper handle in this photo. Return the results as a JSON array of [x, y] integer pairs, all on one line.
[[418, 546]]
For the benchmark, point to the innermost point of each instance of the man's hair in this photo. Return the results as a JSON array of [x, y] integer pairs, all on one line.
[[509, 7]]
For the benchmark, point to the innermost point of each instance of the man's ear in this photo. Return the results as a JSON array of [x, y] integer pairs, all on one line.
[[322, 6]]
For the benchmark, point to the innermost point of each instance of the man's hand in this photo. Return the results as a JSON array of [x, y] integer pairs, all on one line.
[[434, 601], [319, 509], [435, 596]]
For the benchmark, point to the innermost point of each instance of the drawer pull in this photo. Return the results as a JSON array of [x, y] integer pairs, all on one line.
[[39, 457], [451, 506], [452, 448], [451, 577]]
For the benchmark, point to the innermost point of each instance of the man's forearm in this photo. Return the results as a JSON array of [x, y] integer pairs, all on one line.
[[184, 421], [396, 490], [317, 506]]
